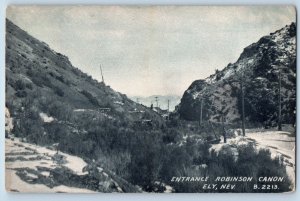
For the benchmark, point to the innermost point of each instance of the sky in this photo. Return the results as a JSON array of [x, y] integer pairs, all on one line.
[[150, 50]]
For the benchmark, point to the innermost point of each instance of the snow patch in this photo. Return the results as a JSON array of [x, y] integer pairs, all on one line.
[[118, 102], [46, 118]]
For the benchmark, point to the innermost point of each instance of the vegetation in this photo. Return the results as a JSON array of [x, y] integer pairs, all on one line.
[[143, 155]]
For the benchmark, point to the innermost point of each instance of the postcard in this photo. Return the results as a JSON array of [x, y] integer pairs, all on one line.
[[150, 99]]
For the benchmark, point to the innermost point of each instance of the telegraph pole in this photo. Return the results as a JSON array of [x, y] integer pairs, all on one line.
[[102, 74], [156, 100], [168, 113], [201, 108], [224, 131], [243, 105], [279, 102]]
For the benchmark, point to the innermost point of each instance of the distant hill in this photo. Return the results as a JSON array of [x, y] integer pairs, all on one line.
[[162, 101], [258, 68]]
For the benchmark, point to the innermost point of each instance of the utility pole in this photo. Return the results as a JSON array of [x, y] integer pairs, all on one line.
[[279, 102], [223, 128], [212, 129], [156, 100], [168, 117], [243, 105], [137, 100], [102, 74], [201, 108]]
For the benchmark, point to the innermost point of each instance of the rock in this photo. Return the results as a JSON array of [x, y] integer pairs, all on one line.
[[258, 67]]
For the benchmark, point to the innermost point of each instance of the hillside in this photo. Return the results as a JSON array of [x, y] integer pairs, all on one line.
[[37, 75], [50, 102], [257, 69]]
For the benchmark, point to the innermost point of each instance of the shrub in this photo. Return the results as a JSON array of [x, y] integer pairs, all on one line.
[[59, 91], [21, 94], [20, 85], [29, 86], [41, 79], [60, 78], [90, 97], [146, 158], [59, 110], [29, 72], [171, 136]]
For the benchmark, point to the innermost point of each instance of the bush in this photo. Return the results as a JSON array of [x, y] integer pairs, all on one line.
[[21, 94], [41, 79], [59, 91], [90, 97], [20, 85], [60, 78], [146, 158], [30, 72], [171, 136], [59, 110], [29, 86]]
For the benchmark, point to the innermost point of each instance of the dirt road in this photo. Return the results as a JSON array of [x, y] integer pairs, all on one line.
[[280, 143]]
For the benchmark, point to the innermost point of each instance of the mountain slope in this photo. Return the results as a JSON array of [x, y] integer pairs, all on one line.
[[257, 69], [51, 103], [43, 83], [37, 75]]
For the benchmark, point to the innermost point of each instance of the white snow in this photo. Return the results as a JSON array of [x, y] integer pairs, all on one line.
[[260, 78], [228, 73], [46, 118], [196, 94], [250, 61], [13, 182], [84, 110], [79, 110], [279, 143], [26, 78], [118, 102], [169, 189], [277, 38]]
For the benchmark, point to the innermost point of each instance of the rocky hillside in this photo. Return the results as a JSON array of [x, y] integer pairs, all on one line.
[[42, 81], [259, 69], [49, 102]]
